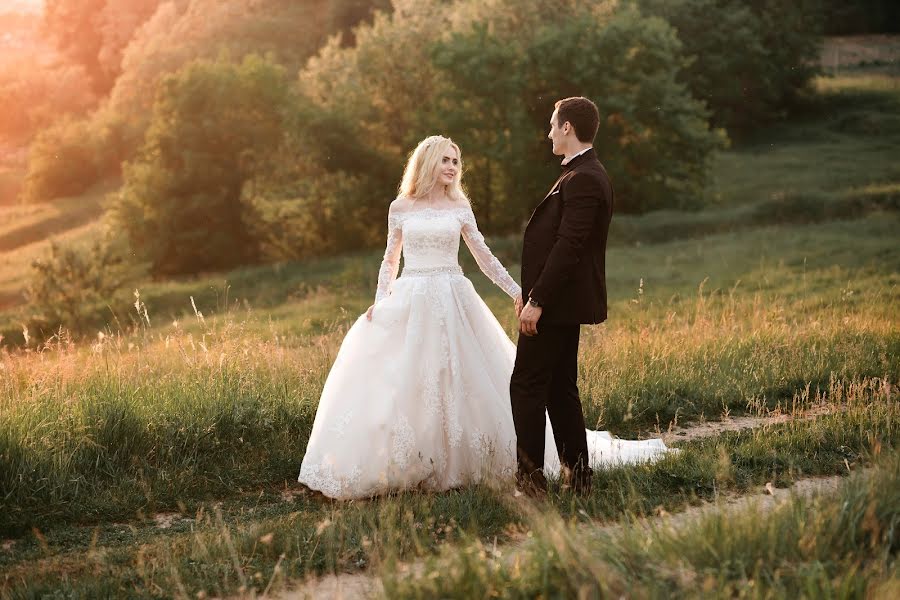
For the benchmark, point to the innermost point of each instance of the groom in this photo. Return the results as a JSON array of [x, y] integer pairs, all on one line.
[[563, 286]]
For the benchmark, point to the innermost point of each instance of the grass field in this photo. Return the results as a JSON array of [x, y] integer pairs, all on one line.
[[27, 229], [840, 544], [158, 459]]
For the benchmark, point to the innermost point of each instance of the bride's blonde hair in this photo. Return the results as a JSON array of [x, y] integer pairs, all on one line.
[[421, 172]]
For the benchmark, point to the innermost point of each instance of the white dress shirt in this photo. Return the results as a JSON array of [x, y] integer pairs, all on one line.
[[574, 156]]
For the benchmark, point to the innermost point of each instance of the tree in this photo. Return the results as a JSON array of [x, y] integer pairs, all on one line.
[[491, 122], [214, 126], [182, 31], [126, 47], [489, 78], [861, 16], [33, 99], [749, 60], [320, 194], [345, 15], [74, 24], [117, 23], [99, 34], [654, 136]]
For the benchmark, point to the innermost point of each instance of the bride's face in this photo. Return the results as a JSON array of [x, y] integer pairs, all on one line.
[[448, 168]]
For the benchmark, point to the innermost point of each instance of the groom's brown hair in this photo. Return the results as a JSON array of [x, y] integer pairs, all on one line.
[[582, 114]]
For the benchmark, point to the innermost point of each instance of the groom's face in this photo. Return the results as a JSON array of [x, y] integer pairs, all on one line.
[[557, 134]]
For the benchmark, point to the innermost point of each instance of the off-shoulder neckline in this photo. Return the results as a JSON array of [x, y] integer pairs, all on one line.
[[398, 213]]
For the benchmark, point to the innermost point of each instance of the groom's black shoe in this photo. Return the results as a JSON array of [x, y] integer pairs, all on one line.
[[532, 484], [577, 480]]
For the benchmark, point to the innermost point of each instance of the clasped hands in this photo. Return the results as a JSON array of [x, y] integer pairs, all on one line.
[[528, 316]]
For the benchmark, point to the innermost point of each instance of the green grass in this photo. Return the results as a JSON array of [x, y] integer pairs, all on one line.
[[848, 141], [26, 224], [15, 270], [834, 545], [34, 223], [222, 548], [25, 234]]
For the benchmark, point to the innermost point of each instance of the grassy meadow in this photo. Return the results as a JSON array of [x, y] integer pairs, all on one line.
[[158, 457], [26, 231], [835, 544]]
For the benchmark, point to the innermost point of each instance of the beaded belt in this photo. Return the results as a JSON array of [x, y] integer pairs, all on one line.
[[427, 271]]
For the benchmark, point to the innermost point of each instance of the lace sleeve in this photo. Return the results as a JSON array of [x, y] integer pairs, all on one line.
[[488, 263], [391, 263]]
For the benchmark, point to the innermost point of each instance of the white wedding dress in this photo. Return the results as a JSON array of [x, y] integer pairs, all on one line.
[[418, 397]]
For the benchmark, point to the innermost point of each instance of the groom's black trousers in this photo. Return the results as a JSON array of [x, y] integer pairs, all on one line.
[[545, 377]]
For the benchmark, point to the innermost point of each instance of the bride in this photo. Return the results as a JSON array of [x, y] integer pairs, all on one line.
[[418, 396]]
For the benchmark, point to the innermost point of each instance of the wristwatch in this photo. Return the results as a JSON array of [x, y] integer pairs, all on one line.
[[533, 302]]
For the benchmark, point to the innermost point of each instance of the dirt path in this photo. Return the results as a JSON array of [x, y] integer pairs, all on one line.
[[711, 428], [764, 497]]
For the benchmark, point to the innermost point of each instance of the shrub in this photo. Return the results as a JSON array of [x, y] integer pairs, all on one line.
[[76, 288]]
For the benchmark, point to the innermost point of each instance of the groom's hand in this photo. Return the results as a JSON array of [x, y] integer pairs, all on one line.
[[528, 319]]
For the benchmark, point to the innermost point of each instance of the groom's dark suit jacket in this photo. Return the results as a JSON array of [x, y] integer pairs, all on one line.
[[564, 252]]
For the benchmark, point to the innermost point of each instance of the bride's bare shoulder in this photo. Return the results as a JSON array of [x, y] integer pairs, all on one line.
[[400, 204]]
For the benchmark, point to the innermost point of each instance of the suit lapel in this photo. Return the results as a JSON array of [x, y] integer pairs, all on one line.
[[573, 164], [553, 188]]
